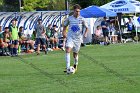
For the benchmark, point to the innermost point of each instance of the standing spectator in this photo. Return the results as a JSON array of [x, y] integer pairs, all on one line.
[[40, 36], [105, 30], [113, 33], [14, 37], [74, 35]]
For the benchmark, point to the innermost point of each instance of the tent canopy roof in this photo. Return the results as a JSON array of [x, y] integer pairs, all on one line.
[[123, 6]]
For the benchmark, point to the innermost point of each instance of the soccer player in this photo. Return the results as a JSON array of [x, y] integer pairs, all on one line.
[[40, 36], [74, 35], [14, 37]]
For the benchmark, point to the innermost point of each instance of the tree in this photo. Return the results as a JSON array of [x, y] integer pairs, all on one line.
[[86, 3], [1, 4]]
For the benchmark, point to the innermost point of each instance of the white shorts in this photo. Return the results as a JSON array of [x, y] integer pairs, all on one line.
[[74, 44]]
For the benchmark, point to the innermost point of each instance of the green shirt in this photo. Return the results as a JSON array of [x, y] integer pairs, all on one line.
[[48, 32], [14, 32], [1, 35]]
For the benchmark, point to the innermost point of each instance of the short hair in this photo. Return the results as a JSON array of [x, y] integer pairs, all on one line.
[[39, 19], [14, 19], [54, 26], [105, 17], [76, 6], [21, 27], [6, 28]]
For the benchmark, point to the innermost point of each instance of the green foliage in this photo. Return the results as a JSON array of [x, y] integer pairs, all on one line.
[[43, 5], [1, 5]]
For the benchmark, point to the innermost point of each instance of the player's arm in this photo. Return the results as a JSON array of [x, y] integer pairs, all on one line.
[[66, 23], [86, 26], [10, 33], [64, 32]]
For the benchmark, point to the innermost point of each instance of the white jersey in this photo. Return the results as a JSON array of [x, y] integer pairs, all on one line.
[[76, 26]]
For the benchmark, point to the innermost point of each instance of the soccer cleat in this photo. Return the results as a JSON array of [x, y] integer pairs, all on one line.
[[75, 66]]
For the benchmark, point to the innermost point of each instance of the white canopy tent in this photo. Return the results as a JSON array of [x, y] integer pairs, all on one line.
[[124, 6]]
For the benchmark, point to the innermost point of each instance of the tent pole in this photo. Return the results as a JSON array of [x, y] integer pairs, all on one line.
[[119, 29], [136, 30]]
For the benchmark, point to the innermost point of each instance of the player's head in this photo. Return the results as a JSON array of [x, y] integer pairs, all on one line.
[[98, 27], [6, 29], [49, 26], [21, 29], [39, 21], [105, 18], [14, 21], [76, 9]]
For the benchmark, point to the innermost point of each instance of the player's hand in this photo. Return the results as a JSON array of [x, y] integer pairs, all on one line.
[[85, 35]]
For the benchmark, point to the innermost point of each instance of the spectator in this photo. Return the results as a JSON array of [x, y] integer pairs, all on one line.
[[40, 36], [130, 25], [105, 26], [55, 35], [7, 38], [98, 36], [3, 45], [49, 37], [113, 33], [14, 37], [26, 40]]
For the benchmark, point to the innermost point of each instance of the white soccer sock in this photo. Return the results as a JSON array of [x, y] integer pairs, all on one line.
[[76, 60], [67, 56]]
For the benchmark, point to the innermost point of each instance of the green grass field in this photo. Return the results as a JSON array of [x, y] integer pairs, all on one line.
[[102, 69]]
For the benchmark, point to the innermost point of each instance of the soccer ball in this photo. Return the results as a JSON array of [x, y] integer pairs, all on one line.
[[71, 70]]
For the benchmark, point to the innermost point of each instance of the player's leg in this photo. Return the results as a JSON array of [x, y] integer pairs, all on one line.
[[52, 42], [76, 49], [56, 43], [6, 49], [38, 46], [15, 47], [2, 49], [69, 46], [75, 56], [43, 43]]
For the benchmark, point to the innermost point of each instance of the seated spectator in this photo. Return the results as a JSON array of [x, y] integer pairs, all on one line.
[[26, 40], [55, 36], [130, 30], [49, 36], [3, 45], [98, 36], [6, 38], [98, 31], [130, 25]]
